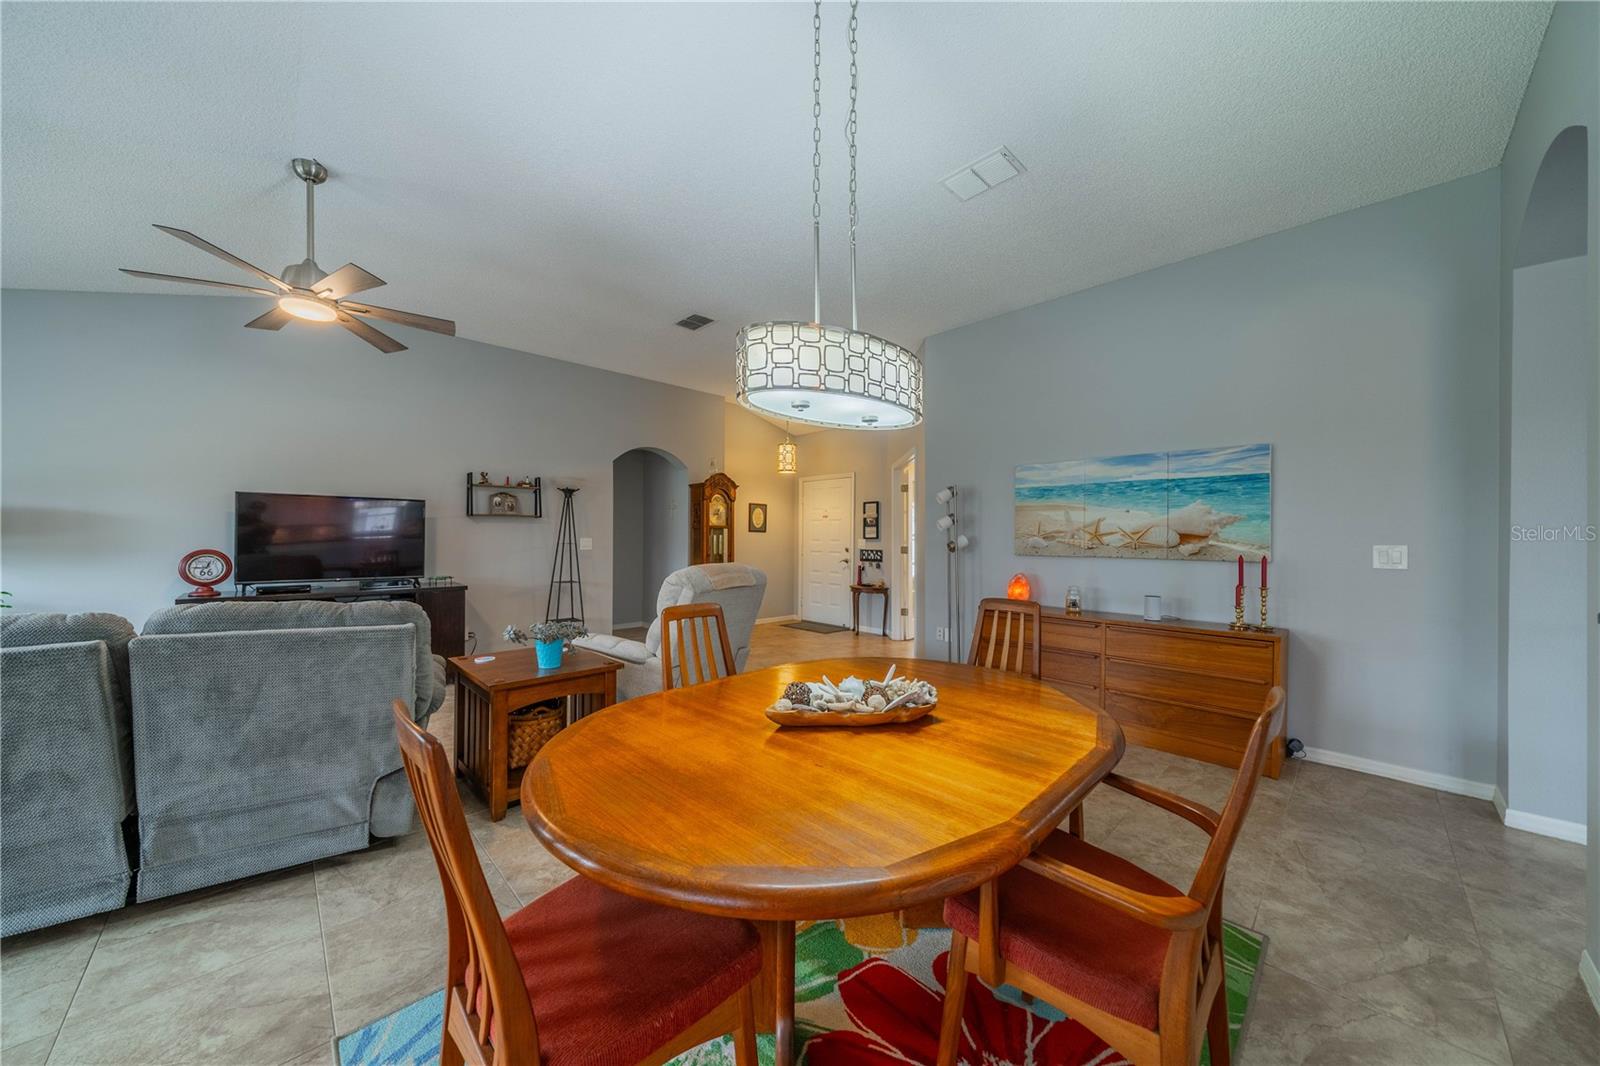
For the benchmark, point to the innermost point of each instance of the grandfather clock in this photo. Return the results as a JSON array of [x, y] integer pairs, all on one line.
[[711, 520]]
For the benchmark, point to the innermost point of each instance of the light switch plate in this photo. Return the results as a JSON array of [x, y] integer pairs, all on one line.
[[585, 544], [1389, 557]]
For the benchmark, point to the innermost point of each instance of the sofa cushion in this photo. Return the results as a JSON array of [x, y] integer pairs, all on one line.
[[242, 615], [19, 630]]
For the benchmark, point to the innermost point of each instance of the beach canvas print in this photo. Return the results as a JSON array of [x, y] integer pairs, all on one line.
[[1209, 503]]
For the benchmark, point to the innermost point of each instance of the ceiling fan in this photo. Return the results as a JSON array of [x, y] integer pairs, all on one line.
[[306, 291]]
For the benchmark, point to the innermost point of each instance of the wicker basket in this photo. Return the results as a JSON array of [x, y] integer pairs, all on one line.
[[531, 729]]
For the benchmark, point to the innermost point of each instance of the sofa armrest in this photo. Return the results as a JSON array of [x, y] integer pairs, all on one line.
[[629, 651]]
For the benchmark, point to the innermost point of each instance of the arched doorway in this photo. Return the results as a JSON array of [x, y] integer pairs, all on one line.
[[1549, 406], [650, 531]]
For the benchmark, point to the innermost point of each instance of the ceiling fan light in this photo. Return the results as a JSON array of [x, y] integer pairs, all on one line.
[[304, 307]]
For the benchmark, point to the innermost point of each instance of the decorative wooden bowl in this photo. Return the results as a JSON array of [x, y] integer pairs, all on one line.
[[797, 716]]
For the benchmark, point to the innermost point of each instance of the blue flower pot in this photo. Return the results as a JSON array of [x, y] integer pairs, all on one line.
[[548, 652]]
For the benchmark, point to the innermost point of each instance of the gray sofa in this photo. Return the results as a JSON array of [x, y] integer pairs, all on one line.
[[737, 587], [66, 777], [262, 736]]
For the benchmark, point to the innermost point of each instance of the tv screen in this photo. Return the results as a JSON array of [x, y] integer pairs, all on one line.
[[282, 537]]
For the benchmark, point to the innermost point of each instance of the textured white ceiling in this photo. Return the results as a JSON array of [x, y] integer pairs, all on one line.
[[572, 179]]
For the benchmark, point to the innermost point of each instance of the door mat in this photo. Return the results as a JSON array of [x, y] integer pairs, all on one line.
[[816, 627]]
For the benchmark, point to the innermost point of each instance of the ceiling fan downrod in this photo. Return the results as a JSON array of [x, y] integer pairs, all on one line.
[[305, 275]]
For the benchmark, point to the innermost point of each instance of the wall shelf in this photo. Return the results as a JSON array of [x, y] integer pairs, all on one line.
[[534, 495]]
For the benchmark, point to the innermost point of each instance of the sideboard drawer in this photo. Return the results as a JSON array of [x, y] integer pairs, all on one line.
[[1088, 695], [1224, 694], [1076, 667], [1072, 635], [1219, 656], [1227, 732]]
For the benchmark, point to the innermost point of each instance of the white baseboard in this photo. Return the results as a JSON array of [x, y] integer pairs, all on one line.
[[630, 625], [1460, 786], [1560, 828], [1591, 978], [1574, 832], [777, 618]]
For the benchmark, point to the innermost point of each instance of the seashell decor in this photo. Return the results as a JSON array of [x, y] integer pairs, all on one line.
[[854, 701]]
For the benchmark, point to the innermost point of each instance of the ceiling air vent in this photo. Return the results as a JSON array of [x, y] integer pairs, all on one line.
[[983, 174], [695, 321]]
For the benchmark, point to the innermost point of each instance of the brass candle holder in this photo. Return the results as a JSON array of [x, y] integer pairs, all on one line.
[[1263, 627], [1238, 622]]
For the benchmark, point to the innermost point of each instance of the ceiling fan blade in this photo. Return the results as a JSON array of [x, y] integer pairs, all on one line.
[[198, 281], [276, 318], [347, 281], [381, 341], [404, 318], [227, 257]]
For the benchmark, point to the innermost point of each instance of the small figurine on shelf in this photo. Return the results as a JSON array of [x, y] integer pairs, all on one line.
[[483, 477], [508, 481], [525, 483]]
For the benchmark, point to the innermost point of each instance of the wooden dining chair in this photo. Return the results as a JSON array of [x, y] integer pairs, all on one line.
[[1006, 636], [1137, 961], [616, 980], [688, 655]]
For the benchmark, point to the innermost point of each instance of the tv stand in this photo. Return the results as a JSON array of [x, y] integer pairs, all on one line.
[[445, 606]]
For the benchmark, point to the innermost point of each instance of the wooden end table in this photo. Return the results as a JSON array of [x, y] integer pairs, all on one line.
[[487, 693], [855, 604]]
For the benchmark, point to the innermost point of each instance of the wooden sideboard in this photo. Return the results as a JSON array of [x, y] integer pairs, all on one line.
[[1191, 688]]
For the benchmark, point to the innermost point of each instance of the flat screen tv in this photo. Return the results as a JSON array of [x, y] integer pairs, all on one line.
[[284, 537]]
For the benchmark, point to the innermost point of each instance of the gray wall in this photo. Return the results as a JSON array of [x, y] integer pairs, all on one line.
[[627, 538], [1563, 91], [129, 421], [1364, 347], [1547, 610], [666, 527]]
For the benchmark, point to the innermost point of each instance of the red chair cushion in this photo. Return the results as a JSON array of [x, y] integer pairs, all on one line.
[[613, 978], [1084, 948]]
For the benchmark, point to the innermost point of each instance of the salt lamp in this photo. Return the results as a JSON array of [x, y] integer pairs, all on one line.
[[1019, 588]]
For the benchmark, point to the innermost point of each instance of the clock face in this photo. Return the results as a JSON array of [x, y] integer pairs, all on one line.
[[717, 512], [205, 567]]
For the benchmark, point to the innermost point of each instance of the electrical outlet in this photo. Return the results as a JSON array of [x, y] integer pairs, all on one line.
[[1389, 556], [585, 544], [940, 633]]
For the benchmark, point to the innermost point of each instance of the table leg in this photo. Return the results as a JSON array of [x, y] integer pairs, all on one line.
[[886, 612], [855, 610], [781, 937]]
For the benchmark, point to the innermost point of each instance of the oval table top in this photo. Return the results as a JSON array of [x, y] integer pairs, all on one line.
[[692, 797]]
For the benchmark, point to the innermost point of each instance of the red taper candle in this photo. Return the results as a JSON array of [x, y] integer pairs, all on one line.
[[1241, 571], [1263, 571]]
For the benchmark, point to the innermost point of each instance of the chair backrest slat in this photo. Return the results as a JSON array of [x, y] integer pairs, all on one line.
[[687, 635], [480, 968], [993, 640]]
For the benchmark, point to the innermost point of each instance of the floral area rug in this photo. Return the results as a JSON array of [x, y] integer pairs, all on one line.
[[868, 992]]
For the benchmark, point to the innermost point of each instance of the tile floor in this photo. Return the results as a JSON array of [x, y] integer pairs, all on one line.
[[1405, 926]]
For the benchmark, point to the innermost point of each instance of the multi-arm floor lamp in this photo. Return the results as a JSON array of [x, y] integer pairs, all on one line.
[[954, 542]]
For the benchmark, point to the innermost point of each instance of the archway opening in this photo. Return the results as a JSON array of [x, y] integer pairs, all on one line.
[[1549, 408], [650, 532]]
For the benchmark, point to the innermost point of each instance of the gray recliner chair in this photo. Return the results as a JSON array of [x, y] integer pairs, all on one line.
[[66, 775], [738, 588], [263, 738]]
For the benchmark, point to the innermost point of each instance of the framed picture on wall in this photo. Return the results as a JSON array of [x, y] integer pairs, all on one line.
[[870, 509], [758, 518], [869, 528]]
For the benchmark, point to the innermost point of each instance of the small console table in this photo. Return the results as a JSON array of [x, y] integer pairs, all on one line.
[[855, 604], [445, 606]]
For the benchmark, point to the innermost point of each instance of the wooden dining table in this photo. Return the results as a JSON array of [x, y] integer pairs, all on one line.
[[694, 799]]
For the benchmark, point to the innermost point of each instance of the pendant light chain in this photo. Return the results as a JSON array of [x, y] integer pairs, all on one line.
[[816, 161], [850, 134]]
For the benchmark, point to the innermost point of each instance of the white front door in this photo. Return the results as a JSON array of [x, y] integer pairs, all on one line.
[[827, 507]]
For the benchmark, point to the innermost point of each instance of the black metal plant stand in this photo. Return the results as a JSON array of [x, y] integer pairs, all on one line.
[[566, 575]]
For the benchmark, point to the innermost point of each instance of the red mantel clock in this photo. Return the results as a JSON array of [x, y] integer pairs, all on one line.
[[205, 568]]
